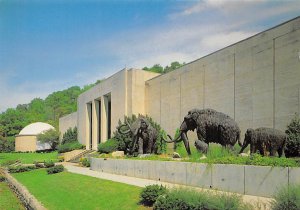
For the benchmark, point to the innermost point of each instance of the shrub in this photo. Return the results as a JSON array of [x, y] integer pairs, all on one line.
[[181, 199], [51, 137], [69, 147], [49, 164], [38, 165], [2, 178], [150, 194], [55, 169], [293, 140], [7, 144], [19, 169], [61, 158], [109, 146], [287, 199], [70, 136], [85, 162]]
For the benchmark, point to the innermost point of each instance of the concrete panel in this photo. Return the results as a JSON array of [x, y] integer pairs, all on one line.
[[141, 169], [294, 176], [125, 167], [228, 178], [175, 172], [108, 166], [156, 170], [264, 181], [66, 122], [198, 175]]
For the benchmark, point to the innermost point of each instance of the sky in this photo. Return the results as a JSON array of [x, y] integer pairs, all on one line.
[[51, 45]]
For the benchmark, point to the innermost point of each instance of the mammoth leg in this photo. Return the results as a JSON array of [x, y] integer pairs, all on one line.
[[186, 142], [280, 151], [150, 145], [272, 152], [141, 145], [201, 146]]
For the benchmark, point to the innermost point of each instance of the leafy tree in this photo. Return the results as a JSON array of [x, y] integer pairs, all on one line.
[[157, 68], [293, 140], [51, 137], [70, 136], [7, 144], [174, 65]]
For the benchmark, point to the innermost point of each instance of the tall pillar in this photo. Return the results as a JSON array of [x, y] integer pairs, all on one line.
[[95, 124], [104, 106]]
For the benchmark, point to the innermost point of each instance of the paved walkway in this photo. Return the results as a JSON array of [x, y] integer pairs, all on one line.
[[261, 203]]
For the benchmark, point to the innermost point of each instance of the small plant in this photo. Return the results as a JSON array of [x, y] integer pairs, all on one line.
[[293, 140], [19, 169], [38, 165], [70, 136], [150, 194], [61, 158], [287, 199], [49, 164], [109, 146], [55, 169], [85, 162], [2, 178]]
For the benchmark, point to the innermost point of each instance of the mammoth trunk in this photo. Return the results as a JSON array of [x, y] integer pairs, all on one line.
[[186, 142]]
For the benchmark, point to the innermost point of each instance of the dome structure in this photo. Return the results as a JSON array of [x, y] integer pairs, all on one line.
[[35, 129], [27, 138]]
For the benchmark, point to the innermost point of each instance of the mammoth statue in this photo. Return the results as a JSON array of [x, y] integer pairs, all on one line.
[[142, 133], [264, 140], [211, 126]]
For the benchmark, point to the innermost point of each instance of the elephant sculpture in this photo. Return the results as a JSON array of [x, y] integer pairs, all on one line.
[[211, 126], [142, 133], [265, 140]]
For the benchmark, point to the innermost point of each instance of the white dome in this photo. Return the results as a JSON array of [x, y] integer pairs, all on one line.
[[35, 128]]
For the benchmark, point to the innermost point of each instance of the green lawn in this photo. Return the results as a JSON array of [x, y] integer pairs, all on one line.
[[8, 200], [73, 191], [27, 157]]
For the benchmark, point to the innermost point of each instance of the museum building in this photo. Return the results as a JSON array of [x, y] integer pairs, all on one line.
[[255, 81]]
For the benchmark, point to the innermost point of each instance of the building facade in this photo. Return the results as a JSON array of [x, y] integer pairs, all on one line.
[[255, 81]]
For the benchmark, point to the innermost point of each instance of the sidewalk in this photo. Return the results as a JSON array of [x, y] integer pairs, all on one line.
[[262, 203]]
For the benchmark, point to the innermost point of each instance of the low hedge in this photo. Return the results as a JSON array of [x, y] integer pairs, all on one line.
[[49, 164], [55, 169], [109, 146], [19, 169], [185, 199], [287, 199], [69, 147]]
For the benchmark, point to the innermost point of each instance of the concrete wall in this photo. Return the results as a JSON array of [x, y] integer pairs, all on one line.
[[250, 180], [255, 81], [25, 143], [66, 122], [126, 89]]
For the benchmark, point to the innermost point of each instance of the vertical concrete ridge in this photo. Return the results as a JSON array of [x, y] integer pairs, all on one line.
[[274, 83], [204, 86], [234, 86]]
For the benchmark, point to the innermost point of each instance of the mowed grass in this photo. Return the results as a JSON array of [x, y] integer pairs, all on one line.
[[73, 191], [8, 200], [27, 158]]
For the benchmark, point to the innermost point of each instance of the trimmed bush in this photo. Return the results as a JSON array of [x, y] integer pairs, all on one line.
[[2, 178], [287, 199], [150, 194], [70, 136], [38, 165], [293, 140], [109, 146], [19, 169], [85, 162], [49, 164], [55, 169], [69, 147]]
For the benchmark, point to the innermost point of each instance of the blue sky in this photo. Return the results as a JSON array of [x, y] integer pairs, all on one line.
[[47, 46]]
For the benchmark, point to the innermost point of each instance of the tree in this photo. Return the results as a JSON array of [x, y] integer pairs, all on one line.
[[174, 65], [51, 137], [293, 140], [157, 68]]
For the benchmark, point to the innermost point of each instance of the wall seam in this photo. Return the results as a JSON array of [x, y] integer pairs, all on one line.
[[180, 96], [274, 83], [204, 86], [234, 86]]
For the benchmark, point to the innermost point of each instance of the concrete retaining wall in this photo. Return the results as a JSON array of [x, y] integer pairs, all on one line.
[[250, 180]]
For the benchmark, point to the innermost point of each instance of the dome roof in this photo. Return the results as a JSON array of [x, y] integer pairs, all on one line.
[[35, 128]]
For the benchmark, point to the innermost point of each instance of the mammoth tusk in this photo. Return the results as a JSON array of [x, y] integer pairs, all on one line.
[[123, 132], [173, 140]]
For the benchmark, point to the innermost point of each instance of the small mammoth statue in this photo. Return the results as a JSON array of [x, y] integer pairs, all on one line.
[[211, 126], [142, 133], [265, 140]]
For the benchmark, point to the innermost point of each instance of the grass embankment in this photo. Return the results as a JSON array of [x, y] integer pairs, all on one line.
[[73, 191], [27, 158], [8, 200]]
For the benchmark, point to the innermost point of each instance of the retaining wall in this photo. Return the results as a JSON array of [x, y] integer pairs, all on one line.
[[243, 179]]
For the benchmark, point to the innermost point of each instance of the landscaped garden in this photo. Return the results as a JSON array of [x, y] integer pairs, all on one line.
[[73, 191]]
